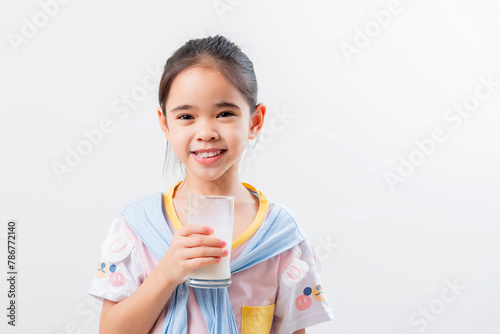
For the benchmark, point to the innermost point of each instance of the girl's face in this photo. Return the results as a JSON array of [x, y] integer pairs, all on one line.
[[205, 111]]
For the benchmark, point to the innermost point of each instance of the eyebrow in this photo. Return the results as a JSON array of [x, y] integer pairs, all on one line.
[[218, 105]]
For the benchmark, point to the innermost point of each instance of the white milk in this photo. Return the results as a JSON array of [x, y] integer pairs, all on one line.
[[217, 271], [218, 213]]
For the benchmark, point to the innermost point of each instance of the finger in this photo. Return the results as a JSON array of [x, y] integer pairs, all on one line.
[[189, 229], [203, 261], [197, 240], [204, 252]]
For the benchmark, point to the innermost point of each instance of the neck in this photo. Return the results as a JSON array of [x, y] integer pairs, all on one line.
[[223, 186]]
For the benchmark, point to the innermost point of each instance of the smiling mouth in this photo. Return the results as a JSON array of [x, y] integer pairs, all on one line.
[[208, 154]]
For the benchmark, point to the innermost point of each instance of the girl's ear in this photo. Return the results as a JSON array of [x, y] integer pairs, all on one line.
[[163, 123], [257, 121]]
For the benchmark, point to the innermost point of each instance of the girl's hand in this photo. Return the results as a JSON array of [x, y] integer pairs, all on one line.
[[192, 247]]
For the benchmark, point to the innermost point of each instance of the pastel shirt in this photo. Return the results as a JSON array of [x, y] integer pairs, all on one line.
[[280, 295]]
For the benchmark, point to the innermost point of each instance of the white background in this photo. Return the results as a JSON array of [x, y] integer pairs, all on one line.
[[387, 252]]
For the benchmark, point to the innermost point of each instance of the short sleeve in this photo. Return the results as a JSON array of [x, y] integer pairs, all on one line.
[[301, 299], [119, 271]]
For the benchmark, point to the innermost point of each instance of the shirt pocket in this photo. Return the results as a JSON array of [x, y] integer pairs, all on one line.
[[257, 319]]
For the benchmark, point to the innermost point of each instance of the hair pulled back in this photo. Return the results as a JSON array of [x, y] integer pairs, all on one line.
[[216, 52]]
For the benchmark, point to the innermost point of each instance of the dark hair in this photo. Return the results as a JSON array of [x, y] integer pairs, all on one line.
[[216, 52]]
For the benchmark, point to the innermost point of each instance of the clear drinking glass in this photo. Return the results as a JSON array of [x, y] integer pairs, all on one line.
[[218, 213]]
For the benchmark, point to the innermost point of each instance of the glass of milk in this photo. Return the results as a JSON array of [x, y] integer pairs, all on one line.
[[218, 213]]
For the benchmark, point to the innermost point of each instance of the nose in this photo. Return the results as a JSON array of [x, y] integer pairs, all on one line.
[[207, 131]]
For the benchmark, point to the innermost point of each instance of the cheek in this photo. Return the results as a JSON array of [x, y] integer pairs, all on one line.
[[238, 137], [179, 141]]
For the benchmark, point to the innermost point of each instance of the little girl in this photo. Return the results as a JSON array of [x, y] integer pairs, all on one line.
[[208, 112]]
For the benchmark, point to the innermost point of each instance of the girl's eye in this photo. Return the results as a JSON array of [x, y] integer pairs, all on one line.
[[186, 116], [227, 112]]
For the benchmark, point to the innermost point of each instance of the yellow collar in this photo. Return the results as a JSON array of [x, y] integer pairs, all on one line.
[[259, 218]]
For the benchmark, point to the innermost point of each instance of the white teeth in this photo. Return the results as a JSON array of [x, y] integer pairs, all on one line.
[[208, 154]]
